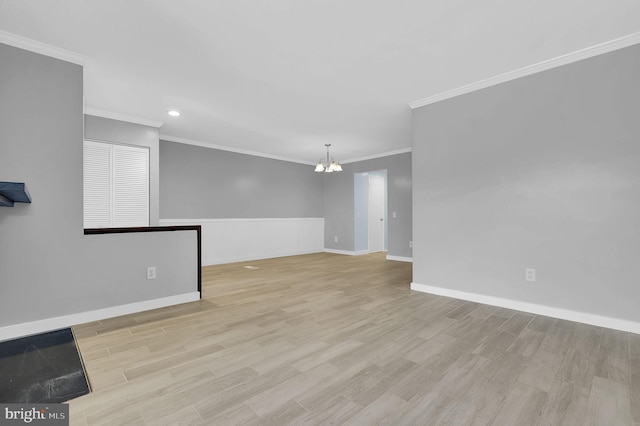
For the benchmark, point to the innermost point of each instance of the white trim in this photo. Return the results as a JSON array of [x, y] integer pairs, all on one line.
[[43, 48], [566, 314], [237, 259], [400, 258], [374, 156], [237, 219], [42, 326], [243, 239], [559, 61], [273, 157], [345, 252], [231, 149], [122, 117]]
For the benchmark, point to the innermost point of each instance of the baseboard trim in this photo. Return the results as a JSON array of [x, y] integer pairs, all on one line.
[[565, 314], [250, 258], [43, 326], [400, 258], [345, 252]]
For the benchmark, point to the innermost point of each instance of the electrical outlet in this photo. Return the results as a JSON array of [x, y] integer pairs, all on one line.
[[530, 275], [335, 239], [151, 273], [410, 244], [394, 215]]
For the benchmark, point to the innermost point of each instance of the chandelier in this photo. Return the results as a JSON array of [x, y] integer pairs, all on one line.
[[329, 166]]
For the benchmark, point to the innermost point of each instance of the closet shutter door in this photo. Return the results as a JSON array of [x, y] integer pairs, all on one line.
[[97, 185], [130, 197]]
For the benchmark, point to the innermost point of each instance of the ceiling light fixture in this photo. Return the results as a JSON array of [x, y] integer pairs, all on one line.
[[329, 166], [173, 113]]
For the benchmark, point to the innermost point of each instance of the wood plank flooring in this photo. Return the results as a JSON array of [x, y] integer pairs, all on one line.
[[331, 339]]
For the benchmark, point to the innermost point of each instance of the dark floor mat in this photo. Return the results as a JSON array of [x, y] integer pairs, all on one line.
[[41, 368]]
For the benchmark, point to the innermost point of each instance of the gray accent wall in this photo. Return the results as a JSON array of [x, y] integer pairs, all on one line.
[[339, 200], [48, 267], [205, 183], [121, 132], [361, 211], [541, 172]]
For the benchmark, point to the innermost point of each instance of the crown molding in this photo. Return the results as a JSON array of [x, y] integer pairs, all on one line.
[[122, 117], [43, 48], [231, 149], [559, 61], [374, 156], [273, 157]]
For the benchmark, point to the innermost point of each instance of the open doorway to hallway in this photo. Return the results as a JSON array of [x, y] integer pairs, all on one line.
[[370, 211]]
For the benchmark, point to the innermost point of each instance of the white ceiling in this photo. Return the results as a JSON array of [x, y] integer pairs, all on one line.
[[284, 77]]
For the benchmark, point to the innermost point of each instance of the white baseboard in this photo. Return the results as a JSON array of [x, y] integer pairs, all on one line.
[[565, 314], [258, 257], [400, 258], [43, 326], [347, 252]]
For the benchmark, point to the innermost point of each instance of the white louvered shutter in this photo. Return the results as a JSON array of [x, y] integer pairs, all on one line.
[[130, 186], [97, 185], [116, 185]]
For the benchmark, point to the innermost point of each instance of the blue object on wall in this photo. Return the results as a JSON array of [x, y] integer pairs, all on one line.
[[13, 192]]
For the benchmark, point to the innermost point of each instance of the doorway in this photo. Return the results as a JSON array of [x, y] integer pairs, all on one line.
[[376, 213], [370, 208]]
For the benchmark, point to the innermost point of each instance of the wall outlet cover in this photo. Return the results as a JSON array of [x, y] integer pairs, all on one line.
[[151, 273], [530, 274]]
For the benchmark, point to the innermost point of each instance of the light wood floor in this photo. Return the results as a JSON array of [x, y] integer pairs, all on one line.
[[331, 339]]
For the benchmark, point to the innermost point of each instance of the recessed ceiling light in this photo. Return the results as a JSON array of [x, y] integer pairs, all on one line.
[[173, 113]]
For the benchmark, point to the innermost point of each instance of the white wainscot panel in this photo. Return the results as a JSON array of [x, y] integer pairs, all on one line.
[[235, 240]]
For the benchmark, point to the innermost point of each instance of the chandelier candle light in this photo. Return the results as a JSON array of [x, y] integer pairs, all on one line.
[[329, 166]]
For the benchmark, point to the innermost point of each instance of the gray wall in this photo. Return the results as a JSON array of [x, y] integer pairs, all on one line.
[[361, 211], [204, 183], [48, 267], [339, 203], [542, 172], [108, 130]]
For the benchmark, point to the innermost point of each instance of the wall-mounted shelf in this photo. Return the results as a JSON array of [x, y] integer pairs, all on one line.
[[13, 192]]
